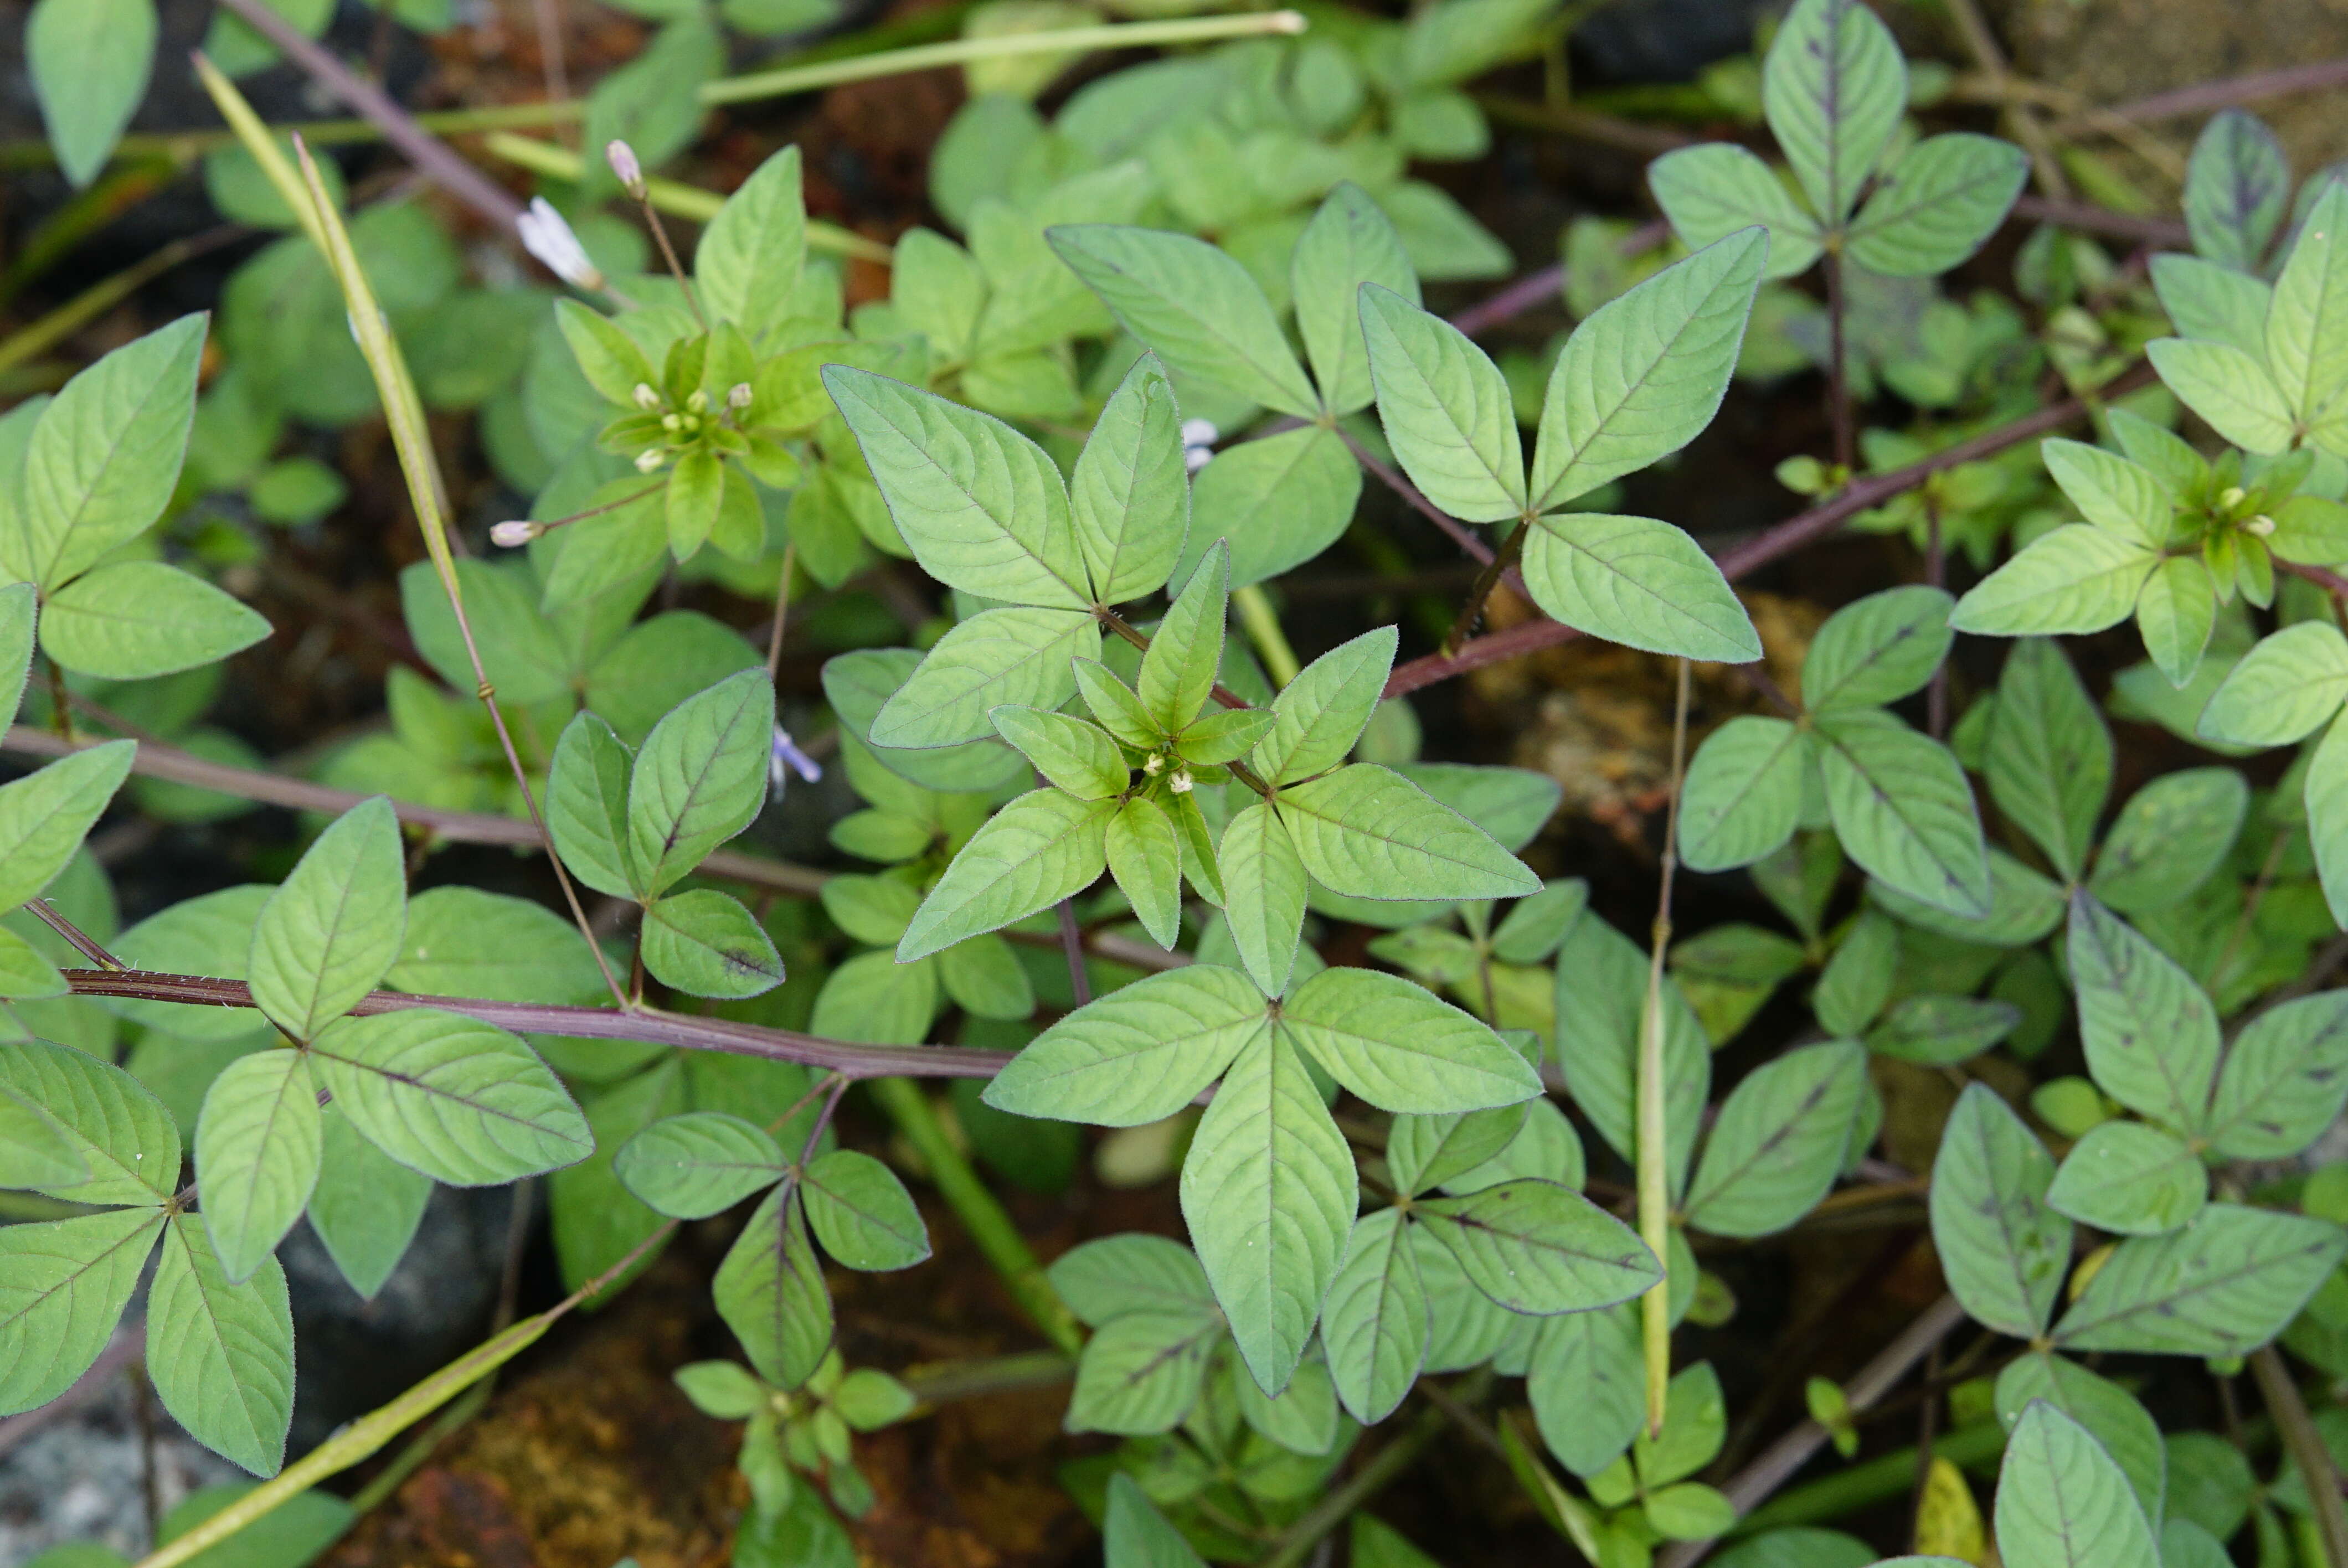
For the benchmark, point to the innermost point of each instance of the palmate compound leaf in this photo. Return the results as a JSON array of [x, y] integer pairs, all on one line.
[[1041, 848], [1375, 1324], [259, 1144], [1932, 209], [1712, 190], [1367, 832], [1903, 809], [983, 507], [2109, 1413], [1540, 1247], [2063, 1502], [1400, 1047], [701, 1163], [1269, 1191], [1445, 408], [1138, 1053], [1015, 654], [2149, 1030], [1644, 373], [45, 816], [1833, 86], [63, 1286], [701, 777], [2284, 1081], [1779, 1142], [221, 1354], [460, 1101], [1743, 795], [123, 1145], [333, 928], [1129, 498], [770, 1292], [2004, 1250], [2223, 1285], [1638, 583]]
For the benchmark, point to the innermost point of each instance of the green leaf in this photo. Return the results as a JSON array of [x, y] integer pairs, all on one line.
[[2236, 188], [1145, 855], [748, 261], [704, 942], [1429, 1151], [1876, 650], [2223, 1285], [1445, 408], [1601, 991], [1904, 810], [770, 1292], [1933, 208], [2284, 1080], [1743, 795], [2062, 1502], [35, 1151], [1588, 1386], [2115, 493], [2282, 689], [1779, 1142], [2004, 1249], [1129, 498], [984, 977], [45, 816], [701, 777], [1688, 1512], [1369, 832], [1178, 671], [1638, 583], [1712, 190], [464, 942], [2170, 837], [103, 460], [1072, 754], [2049, 754], [1105, 1278], [1264, 892], [1942, 1031], [1319, 716], [18, 611], [259, 1141], [1269, 1191], [2176, 614], [1142, 1371], [1303, 1420], [2307, 324], [1136, 1054], [460, 1101], [2204, 300], [1540, 1247], [1375, 1324], [982, 507], [1400, 1047], [587, 806], [1194, 305], [2235, 393], [2130, 1179], [123, 1145], [1014, 655], [1834, 88], [1136, 1536], [63, 1286], [872, 999], [2078, 579], [609, 360], [1856, 981], [90, 61], [1041, 848], [1279, 502], [220, 1354], [366, 1206], [1695, 1424], [2108, 1413], [1643, 374], [861, 1213], [134, 619], [2150, 1034], [332, 930], [1349, 242]]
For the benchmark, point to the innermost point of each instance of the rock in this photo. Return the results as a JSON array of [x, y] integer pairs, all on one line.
[[81, 1477], [1666, 40]]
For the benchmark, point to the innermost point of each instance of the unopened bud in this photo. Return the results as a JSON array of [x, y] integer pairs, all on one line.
[[1180, 783], [650, 459], [2260, 527], [2231, 496], [514, 534], [630, 173], [739, 396], [545, 235], [646, 398], [1153, 765], [698, 402], [672, 422]]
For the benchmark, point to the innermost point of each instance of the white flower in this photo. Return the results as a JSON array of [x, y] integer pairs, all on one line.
[[546, 236], [649, 460], [1199, 439], [514, 534], [646, 398], [1182, 783]]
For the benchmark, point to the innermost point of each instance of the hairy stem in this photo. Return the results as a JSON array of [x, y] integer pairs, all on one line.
[[2307, 1449], [1654, 1120], [1503, 564], [908, 1105]]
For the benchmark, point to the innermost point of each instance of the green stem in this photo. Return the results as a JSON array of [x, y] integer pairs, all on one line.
[[41, 336], [1871, 1482], [962, 51], [1263, 630], [1654, 1147], [917, 1118], [2306, 1447], [1372, 1478]]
